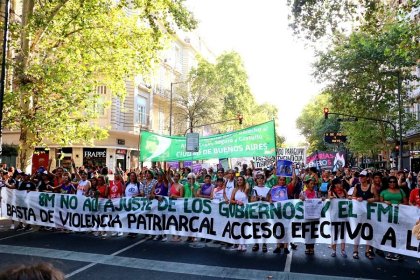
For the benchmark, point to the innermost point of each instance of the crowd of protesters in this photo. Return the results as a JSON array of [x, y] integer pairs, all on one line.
[[236, 186]]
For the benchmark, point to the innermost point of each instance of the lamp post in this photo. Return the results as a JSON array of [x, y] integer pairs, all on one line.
[[171, 105], [3, 68]]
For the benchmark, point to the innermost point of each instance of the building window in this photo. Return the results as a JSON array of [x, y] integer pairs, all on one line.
[[101, 92], [161, 120], [141, 110]]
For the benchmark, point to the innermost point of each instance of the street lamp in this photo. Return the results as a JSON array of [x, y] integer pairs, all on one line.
[[171, 104]]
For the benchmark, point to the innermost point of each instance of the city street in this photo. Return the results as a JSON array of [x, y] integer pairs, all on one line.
[[82, 256]]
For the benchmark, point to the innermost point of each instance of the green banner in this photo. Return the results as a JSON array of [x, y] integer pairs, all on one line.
[[256, 140]]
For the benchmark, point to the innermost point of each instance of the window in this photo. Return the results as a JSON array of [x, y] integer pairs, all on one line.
[[141, 110], [101, 92], [161, 120]]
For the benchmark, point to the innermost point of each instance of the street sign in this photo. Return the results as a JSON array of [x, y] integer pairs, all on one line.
[[192, 142], [335, 137]]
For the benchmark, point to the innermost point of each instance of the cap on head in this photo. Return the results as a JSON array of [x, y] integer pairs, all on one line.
[[363, 173], [191, 176]]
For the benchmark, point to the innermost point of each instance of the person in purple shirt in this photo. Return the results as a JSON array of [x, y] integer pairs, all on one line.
[[206, 189]]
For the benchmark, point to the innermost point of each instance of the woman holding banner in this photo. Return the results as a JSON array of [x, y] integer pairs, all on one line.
[[259, 193], [206, 188], [160, 190], [309, 193], [176, 191], [364, 191], [280, 192], [240, 197], [337, 191], [219, 192], [133, 188], [393, 196]]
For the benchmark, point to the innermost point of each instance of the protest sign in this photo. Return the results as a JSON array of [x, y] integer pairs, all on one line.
[[385, 227], [263, 162], [284, 168], [196, 168], [313, 208], [173, 164], [326, 160], [297, 155], [256, 140]]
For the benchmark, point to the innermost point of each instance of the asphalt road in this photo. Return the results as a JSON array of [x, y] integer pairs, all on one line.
[[82, 256]]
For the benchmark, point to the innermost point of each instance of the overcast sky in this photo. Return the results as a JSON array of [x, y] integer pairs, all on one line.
[[277, 63]]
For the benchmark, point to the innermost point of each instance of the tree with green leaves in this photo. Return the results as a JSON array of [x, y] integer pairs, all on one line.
[[217, 92], [316, 19], [359, 72], [313, 125], [65, 49]]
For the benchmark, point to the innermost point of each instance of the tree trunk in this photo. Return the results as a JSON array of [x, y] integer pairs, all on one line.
[[27, 139]]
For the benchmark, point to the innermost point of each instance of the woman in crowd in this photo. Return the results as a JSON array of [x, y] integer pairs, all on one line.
[[66, 187], [133, 188], [116, 190], [84, 184], [240, 197], [191, 187], [45, 184], [393, 196], [259, 193], [279, 192], [191, 190], [415, 194], [364, 191], [250, 180], [103, 192], [148, 183], [93, 190], [160, 190], [219, 193], [337, 191], [309, 193], [206, 189], [176, 191]]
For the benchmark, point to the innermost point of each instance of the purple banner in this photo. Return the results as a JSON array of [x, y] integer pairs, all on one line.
[[173, 164], [196, 168], [326, 160], [188, 163]]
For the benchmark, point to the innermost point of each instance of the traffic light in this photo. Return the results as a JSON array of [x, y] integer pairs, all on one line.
[[397, 146], [240, 118], [326, 111]]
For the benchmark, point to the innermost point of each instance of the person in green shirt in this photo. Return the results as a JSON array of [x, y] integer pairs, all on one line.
[[393, 196], [271, 177], [191, 190], [191, 186]]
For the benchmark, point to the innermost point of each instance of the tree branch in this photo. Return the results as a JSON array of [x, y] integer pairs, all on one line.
[[41, 32]]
